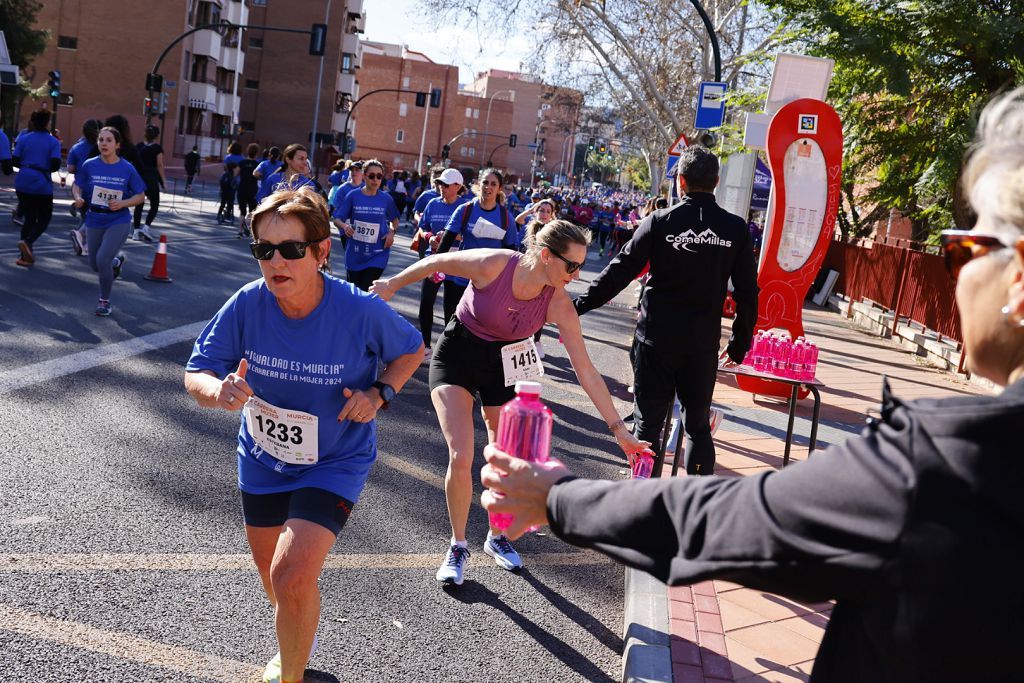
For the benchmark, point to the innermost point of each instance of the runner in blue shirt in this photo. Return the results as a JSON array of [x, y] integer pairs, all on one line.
[[37, 155], [6, 165], [111, 185], [436, 216], [489, 224], [267, 168], [234, 155], [369, 218], [354, 182], [82, 150], [292, 175], [298, 352], [426, 196]]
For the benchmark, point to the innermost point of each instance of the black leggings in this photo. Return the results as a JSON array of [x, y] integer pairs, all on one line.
[[658, 378], [153, 196], [363, 278], [428, 296], [36, 210], [246, 202]]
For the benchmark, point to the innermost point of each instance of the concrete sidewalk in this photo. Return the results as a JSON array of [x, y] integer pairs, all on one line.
[[717, 631]]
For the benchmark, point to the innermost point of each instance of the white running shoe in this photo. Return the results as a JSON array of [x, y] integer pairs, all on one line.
[[76, 242], [540, 348], [454, 562], [146, 234], [272, 674], [500, 548], [716, 420], [427, 354]]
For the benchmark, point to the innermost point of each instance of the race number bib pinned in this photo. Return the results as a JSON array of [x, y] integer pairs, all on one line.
[[289, 435], [519, 361], [102, 196], [365, 232]]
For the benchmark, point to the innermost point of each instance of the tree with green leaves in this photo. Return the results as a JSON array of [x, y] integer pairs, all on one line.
[[24, 42], [910, 78]]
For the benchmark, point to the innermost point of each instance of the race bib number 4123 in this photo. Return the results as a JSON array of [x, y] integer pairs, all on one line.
[[288, 435]]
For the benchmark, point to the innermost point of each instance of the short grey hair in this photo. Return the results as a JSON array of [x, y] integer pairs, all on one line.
[[993, 178]]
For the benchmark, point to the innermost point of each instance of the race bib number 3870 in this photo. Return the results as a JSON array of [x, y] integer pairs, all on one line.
[[288, 435]]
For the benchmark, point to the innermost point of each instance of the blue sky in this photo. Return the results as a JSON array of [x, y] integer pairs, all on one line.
[[402, 22]]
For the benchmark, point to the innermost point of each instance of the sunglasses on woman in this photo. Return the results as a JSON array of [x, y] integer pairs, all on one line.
[[264, 251], [960, 246], [570, 266], [373, 176]]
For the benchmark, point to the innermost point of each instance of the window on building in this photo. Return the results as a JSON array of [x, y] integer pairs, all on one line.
[[247, 126], [346, 62], [200, 66], [400, 135], [403, 109], [256, 43], [405, 81], [67, 42], [472, 152], [472, 132], [259, 3], [225, 80], [252, 84], [462, 151], [469, 112], [476, 113], [207, 13]]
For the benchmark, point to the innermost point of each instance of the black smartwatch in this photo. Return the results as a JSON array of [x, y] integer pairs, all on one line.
[[387, 393]]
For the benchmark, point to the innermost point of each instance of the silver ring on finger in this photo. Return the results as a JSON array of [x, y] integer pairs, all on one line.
[[231, 399]]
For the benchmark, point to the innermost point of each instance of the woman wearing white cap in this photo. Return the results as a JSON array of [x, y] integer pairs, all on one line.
[[438, 211]]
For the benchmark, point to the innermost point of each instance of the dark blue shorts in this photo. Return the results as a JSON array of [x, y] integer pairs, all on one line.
[[319, 506]]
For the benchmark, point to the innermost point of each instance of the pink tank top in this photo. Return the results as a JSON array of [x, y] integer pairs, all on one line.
[[493, 313]]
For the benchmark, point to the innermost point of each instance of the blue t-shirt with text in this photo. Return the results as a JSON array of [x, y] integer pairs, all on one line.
[[424, 199], [367, 214], [35, 149], [305, 365], [97, 177], [276, 181]]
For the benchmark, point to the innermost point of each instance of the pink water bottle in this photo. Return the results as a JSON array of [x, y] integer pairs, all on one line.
[[811, 362], [437, 277], [763, 345], [781, 357], [643, 464], [795, 369], [524, 431]]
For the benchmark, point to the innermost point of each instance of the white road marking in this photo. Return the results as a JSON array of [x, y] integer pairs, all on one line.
[[27, 375], [128, 647]]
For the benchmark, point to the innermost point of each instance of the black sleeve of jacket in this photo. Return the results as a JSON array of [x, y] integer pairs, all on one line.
[[744, 284], [623, 269], [54, 165], [7, 166], [816, 530], [447, 240]]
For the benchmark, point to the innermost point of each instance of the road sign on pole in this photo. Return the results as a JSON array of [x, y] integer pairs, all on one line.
[[710, 105], [678, 146]]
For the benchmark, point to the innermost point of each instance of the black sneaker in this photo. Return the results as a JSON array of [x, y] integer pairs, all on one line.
[[119, 264]]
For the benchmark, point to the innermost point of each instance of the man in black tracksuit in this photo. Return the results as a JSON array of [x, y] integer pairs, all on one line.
[[693, 248]]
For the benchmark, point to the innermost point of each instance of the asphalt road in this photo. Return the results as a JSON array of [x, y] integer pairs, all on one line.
[[122, 552]]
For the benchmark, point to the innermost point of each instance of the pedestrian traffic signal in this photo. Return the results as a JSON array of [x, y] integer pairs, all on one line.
[[430, 162], [318, 40], [162, 108], [148, 107], [54, 83], [512, 140], [154, 82], [445, 151], [435, 98], [590, 144], [421, 99]]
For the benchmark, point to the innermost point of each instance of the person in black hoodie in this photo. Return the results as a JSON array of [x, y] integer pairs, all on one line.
[[904, 526]]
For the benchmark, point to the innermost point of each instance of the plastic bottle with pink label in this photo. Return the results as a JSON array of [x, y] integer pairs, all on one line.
[[524, 431]]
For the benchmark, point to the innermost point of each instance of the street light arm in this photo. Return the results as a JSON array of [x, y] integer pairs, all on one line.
[[714, 38], [348, 116]]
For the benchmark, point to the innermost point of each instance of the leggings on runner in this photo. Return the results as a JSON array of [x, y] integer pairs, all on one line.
[[363, 278], [104, 243], [152, 196], [428, 296], [36, 211]]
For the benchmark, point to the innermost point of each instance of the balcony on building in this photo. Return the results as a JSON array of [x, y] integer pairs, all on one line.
[[201, 91], [232, 59], [355, 7], [350, 44], [207, 43], [346, 84]]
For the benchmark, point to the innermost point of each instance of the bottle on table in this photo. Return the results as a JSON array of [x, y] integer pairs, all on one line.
[[524, 431]]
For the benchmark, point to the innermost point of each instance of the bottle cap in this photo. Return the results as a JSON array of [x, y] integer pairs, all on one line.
[[531, 388]]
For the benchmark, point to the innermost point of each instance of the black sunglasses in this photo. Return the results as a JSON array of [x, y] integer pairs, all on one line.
[[960, 246], [570, 266], [374, 176], [264, 251]]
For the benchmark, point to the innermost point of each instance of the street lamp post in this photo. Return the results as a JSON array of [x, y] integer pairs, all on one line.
[[487, 122]]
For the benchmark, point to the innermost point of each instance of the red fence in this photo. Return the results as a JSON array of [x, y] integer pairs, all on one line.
[[910, 281]]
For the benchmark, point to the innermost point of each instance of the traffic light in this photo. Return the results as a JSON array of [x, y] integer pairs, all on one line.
[[148, 106], [430, 162], [54, 83], [445, 151], [318, 40], [162, 108], [590, 144], [154, 82], [602, 149], [512, 140], [421, 99], [435, 98]]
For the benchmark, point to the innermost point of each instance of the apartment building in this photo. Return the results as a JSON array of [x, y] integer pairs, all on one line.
[[279, 85], [388, 125]]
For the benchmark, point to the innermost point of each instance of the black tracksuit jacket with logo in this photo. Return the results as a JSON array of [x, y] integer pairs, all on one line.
[[693, 248]]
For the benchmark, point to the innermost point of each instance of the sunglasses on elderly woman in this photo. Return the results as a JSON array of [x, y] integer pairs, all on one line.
[[570, 266], [264, 251], [960, 246]]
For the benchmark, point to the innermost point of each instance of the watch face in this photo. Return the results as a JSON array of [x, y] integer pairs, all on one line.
[[386, 393]]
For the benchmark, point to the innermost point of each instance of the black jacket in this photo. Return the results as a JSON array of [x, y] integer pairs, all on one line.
[[693, 248], [915, 528]]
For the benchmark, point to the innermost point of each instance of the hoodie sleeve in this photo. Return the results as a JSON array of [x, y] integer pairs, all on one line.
[[816, 530]]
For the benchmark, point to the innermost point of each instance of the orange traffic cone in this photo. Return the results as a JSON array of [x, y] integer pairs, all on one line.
[[159, 270]]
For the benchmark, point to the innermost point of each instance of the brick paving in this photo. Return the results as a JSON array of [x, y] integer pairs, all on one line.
[[720, 631]]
